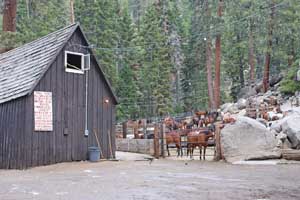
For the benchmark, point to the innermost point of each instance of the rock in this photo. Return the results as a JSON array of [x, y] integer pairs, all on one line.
[[281, 137], [277, 126], [233, 109], [291, 127], [242, 113], [286, 106], [262, 121], [248, 139], [247, 91], [274, 133], [241, 104], [225, 107], [286, 144], [296, 110]]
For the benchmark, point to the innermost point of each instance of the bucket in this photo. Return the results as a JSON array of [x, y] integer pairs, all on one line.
[[94, 154]]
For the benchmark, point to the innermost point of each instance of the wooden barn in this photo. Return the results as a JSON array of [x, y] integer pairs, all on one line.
[[54, 100]]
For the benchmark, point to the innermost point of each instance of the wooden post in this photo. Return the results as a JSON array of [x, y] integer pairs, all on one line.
[[162, 139], [156, 141], [145, 128], [124, 129], [135, 130], [218, 151]]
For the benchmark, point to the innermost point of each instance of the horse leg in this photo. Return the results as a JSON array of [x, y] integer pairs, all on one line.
[[204, 152], [181, 150], [200, 149], [168, 150]]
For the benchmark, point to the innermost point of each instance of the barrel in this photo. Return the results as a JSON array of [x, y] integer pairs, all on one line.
[[94, 154]]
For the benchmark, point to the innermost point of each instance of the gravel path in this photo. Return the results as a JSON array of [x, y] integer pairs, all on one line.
[[135, 179]]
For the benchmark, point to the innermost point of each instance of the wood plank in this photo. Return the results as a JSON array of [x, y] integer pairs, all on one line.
[[29, 130], [291, 154], [2, 115], [59, 138]]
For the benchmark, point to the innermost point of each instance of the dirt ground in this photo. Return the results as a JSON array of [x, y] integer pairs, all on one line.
[[135, 179]]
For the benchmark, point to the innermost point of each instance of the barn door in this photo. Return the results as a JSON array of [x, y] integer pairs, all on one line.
[[74, 116]]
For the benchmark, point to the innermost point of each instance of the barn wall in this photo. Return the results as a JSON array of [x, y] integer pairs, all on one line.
[[12, 134], [23, 147], [67, 142]]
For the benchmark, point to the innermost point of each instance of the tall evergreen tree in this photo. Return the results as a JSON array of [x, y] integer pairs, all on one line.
[[100, 21], [156, 69]]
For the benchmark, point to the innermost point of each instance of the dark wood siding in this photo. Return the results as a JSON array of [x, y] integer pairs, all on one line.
[[12, 134], [22, 147]]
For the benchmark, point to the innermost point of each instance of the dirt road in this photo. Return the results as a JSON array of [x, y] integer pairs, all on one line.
[[160, 180]]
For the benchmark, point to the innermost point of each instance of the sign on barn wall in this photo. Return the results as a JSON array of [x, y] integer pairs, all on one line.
[[43, 116]]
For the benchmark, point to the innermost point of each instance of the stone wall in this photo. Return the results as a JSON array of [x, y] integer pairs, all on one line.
[[145, 146]]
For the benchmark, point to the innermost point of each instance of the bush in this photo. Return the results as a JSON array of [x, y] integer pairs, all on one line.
[[290, 85]]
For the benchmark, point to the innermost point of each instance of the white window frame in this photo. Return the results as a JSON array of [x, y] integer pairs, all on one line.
[[74, 70]]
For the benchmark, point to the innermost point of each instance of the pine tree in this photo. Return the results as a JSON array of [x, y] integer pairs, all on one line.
[[127, 89], [99, 21], [156, 69], [38, 18], [194, 82]]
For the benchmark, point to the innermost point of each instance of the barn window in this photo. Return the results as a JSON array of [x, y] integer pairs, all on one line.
[[74, 62]]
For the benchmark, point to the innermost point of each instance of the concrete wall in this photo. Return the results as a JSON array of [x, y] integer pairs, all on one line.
[[145, 146]]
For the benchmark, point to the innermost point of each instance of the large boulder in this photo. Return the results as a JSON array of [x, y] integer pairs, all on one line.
[[291, 127], [248, 139]]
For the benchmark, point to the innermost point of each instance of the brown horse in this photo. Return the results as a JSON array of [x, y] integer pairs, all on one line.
[[173, 137], [171, 124], [198, 138]]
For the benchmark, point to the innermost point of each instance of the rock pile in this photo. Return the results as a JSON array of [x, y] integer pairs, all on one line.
[[262, 123]]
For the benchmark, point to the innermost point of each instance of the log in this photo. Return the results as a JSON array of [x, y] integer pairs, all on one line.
[[124, 129], [218, 153], [291, 154], [156, 141]]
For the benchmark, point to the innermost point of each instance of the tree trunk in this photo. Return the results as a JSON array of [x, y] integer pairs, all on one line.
[[251, 52], [269, 48], [9, 16], [218, 60], [27, 8], [209, 61], [72, 15], [9, 19], [241, 66]]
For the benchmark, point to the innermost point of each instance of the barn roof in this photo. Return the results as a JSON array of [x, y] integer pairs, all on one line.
[[23, 67]]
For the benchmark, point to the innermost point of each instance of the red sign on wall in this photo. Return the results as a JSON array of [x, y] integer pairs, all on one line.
[[43, 115]]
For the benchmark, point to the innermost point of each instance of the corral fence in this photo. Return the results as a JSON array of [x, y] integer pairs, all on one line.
[[154, 141]]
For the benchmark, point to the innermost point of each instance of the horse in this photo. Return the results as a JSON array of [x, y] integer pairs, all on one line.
[[171, 124], [198, 138], [173, 137], [209, 119]]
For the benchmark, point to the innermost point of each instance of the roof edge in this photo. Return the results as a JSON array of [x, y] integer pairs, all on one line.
[[76, 25], [95, 58], [51, 33]]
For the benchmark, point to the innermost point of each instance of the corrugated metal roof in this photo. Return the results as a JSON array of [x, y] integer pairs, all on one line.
[[22, 67]]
